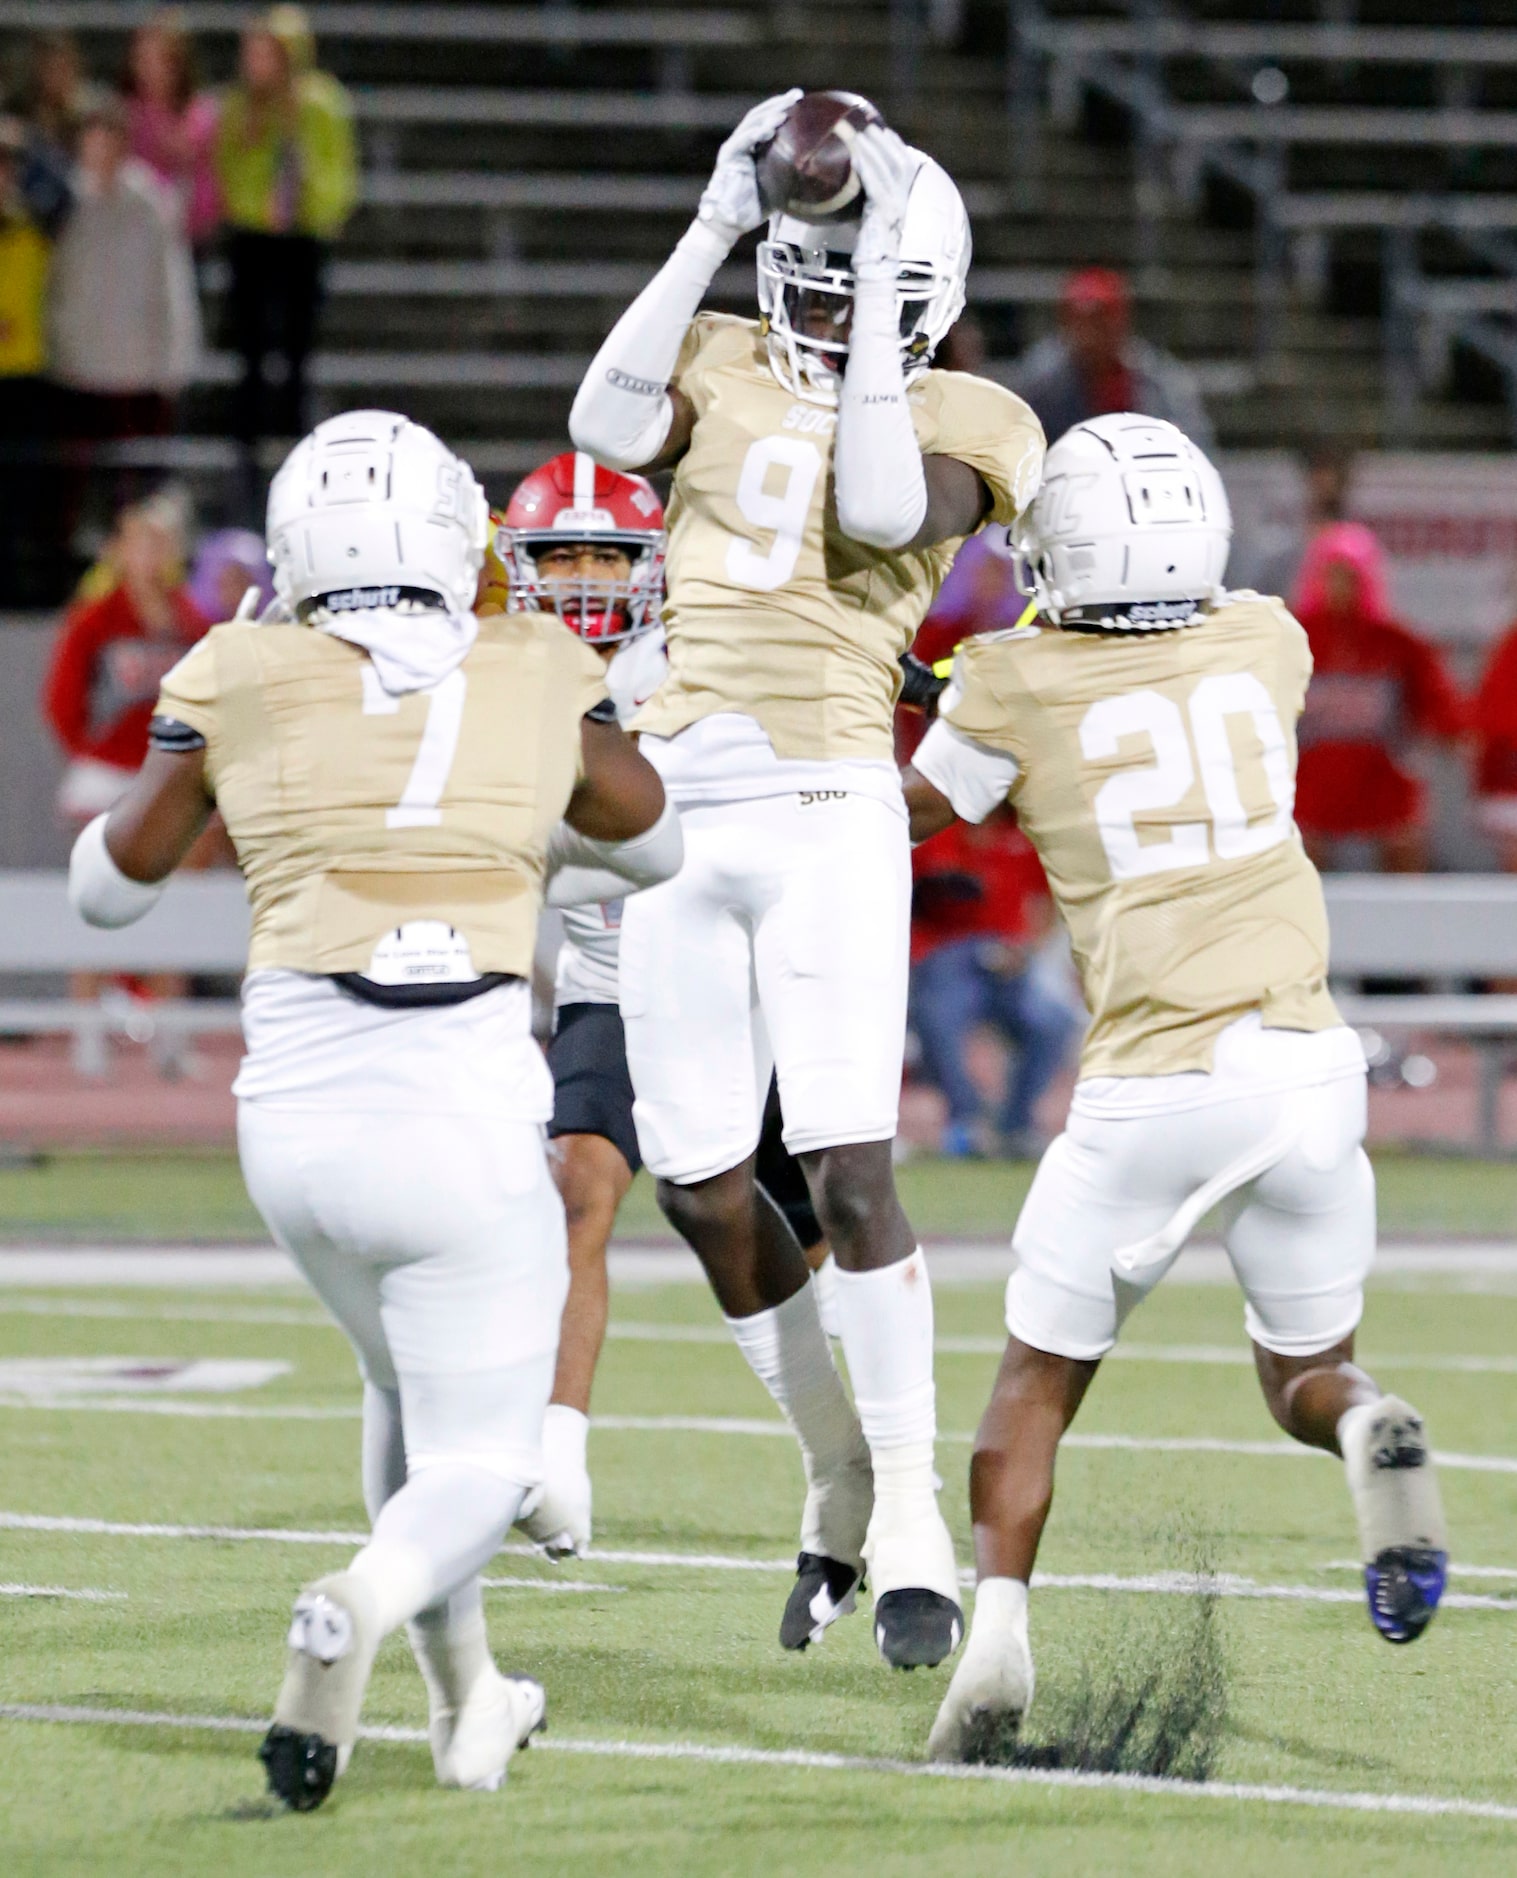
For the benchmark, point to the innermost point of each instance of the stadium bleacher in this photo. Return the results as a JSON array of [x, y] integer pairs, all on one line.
[[524, 166]]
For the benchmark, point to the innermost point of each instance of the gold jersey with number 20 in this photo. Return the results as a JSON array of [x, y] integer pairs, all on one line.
[[355, 812], [1155, 774], [772, 611]]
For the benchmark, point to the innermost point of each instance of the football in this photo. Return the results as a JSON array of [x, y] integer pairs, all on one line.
[[807, 170]]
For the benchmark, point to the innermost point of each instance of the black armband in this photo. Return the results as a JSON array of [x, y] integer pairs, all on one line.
[[920, 685], [179, 739], [603, 713]]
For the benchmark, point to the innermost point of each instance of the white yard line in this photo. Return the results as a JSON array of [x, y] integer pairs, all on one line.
[[83, 1595], [712, 1425], [169, 1312], [633, 1264], [548, 1584], [1220, 1355], [1423, 1805], [1456, 1569], [1177, 1584]]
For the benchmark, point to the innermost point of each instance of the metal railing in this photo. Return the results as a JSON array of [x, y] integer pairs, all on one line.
[[1178, 145]]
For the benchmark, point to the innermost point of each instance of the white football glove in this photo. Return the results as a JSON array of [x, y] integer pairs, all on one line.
[[730, 204], [886, 166]]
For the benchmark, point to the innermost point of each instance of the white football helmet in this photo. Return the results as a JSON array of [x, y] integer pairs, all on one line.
[[805, 286], [1130, 527], [375, 509]]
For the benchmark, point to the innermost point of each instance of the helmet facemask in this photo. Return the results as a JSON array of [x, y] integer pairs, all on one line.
[[601, 611], [806, 288]]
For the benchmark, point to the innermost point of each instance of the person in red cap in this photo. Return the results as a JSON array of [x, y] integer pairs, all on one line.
[[1376, 688], [1095, 363]]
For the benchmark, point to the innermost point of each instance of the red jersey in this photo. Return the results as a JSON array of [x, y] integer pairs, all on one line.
[[1494, 721], [974, 881], [1375, 688], [102, 682]]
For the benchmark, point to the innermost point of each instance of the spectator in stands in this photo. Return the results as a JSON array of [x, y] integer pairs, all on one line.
[[1271, 561], [110, 655], [227, 563], [1494, 722], [1376, 690], [287, 163], [124, 318], [980, 906], [28, 490], [1095, 363], [173, 122], [52, 102], [24, 252]]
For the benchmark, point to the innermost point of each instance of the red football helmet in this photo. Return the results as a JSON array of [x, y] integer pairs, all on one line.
[[572, 501]]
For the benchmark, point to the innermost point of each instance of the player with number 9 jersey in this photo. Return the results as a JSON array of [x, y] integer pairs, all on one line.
[[1144, 731], [824, 476]]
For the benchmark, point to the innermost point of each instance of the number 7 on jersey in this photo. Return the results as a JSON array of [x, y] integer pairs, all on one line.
[[420, 801]]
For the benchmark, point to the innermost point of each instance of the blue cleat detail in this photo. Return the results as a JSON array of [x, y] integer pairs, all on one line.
[[1404, 1585]]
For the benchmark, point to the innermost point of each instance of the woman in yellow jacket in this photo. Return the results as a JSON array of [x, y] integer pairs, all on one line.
[[286, 158]]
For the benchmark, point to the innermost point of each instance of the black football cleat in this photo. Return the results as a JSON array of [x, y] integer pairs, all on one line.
[[302, 1769], [916, 1628], [825, 1589]]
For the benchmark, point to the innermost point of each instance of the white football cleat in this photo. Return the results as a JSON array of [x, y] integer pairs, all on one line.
[[333, 1638], [472, 1745], [993, 1684]]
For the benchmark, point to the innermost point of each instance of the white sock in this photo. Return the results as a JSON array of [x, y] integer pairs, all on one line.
[[439, 1531], [787, 1350], [1351, 1419], [565, 1433], [1000, 1617], [451, 1648], [886, 1322], [825, 1279]]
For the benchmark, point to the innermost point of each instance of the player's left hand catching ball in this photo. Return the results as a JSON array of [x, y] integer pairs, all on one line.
[[730, 202], [886, 165]]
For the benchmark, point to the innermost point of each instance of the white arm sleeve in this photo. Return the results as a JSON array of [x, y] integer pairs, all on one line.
[[622, 411], [975, 778], [582, 870], [877, 466], [98, 891]]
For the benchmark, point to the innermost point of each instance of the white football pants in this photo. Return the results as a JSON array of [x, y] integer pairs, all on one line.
[[437, 1242], [783, 941], [1115, 1197]]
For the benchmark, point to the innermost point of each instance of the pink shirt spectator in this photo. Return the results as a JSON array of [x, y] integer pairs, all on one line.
[[179, 148]]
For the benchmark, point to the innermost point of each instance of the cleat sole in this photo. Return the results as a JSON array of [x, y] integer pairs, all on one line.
[[915, 1628], [301, 1769]]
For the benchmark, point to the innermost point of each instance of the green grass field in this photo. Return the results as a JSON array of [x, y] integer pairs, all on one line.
[[199, 1196], [647, 1652]]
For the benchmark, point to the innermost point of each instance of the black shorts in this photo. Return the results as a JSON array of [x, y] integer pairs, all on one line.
[[592, 1091]]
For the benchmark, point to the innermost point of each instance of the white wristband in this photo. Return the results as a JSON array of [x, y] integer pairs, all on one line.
[[98, 891]]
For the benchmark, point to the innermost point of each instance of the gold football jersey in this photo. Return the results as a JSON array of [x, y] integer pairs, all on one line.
[[1157, 781], [772, 610], [354, 812]]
